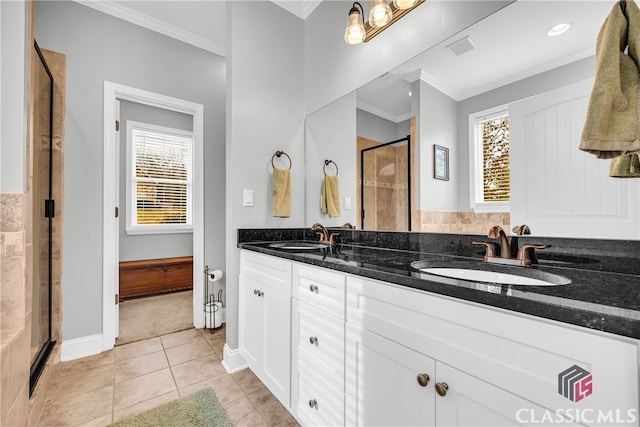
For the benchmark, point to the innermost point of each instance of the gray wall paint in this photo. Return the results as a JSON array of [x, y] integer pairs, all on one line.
[[376, 128], [100, 47], [540, 83], [13, 107], [335, 142], [148, 246], [334, 68], [437, 122], [265, 107]]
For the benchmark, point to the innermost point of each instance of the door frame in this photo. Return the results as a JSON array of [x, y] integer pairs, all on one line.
[[112, 93]]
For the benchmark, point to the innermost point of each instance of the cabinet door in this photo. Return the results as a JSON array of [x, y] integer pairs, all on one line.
[[382, 382], [276, 342], [249, 322], [470, 401]]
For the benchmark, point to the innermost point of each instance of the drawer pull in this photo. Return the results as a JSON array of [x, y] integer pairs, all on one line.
[[313, 340], [313, 404], [313, 288], [441, 388], [423, 380]]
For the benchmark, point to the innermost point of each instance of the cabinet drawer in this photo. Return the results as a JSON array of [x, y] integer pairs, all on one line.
[[320, 288], [270, 270], [317, 402], [318, 339], [514, 352]]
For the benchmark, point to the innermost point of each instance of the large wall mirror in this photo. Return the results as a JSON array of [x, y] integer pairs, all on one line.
[[507, 100]]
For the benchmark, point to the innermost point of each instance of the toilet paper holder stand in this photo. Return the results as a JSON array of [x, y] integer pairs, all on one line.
[[212, 306]]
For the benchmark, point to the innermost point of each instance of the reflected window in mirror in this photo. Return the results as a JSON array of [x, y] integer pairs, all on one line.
[[489, 160]]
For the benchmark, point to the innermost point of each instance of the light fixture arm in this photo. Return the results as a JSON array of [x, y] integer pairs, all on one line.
[[355, 3]]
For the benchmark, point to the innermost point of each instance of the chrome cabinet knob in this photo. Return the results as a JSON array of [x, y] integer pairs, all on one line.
[[313, 404], [441, 388], [313, 340], [313, 288], [423, 380]]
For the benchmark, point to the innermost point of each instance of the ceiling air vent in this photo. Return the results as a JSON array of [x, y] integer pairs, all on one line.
[[461, 46]]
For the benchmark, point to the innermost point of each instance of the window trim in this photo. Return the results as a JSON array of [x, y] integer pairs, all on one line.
[[148, 229], [475, 163]]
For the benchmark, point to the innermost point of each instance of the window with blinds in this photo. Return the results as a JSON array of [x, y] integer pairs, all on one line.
[[490, 157], [159, 178]]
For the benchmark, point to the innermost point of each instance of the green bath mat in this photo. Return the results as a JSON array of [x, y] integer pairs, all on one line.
[[200, 409]]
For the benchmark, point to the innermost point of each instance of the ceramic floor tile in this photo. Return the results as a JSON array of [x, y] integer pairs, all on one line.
[[217, 343], [288, 422], [224, 387], [181, 337], [103, 421], [80, 382], [185, 352], [79, 409], [247, 380], [145, 406], [75, 366], [241, 412], [197, 370], [139, 348], [141, 365], [133, 391], [269, 407]]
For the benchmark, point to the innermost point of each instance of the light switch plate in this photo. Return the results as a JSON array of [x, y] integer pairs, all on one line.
[[247, 198], [347, 202]]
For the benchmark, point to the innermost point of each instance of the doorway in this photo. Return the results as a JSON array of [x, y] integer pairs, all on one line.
[[113, 95]]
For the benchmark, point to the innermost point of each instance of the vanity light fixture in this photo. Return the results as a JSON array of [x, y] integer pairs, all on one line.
[[382, 16], [560, 28]]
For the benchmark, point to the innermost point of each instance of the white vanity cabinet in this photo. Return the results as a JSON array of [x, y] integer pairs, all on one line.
[[318, 346], [265, 320], [499, 368]]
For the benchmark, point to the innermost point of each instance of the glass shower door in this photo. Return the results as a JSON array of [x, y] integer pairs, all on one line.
[[43, 211]]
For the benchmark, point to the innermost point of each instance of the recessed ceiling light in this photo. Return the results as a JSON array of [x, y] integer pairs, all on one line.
[[558, 29]]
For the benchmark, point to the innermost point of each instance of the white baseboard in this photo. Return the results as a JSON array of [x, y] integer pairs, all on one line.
[[232, 360], [81, 347]]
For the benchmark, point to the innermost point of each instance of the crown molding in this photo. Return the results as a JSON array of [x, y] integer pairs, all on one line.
[[119, 11], [302, 9], [381, 113]]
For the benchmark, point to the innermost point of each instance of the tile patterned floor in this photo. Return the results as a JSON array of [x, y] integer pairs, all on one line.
[[135, 377]]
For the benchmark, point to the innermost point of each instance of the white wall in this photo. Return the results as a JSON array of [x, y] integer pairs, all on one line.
[[13, 106], [333, 68], [331, 135], [379, 129], [265, 108], [100, 47], [148, 246]]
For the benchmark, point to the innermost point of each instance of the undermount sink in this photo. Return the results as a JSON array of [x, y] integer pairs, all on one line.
[[522, 277], [298, 246]]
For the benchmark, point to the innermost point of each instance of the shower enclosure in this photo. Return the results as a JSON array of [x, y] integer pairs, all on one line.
[[43, 212], [385, 186]]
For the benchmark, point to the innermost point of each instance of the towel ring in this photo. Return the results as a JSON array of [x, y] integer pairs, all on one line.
[[326, 163], [278, 154]]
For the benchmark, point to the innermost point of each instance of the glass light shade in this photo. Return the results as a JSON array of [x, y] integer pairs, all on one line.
[[404, 4], [354, 33], [380, 14]]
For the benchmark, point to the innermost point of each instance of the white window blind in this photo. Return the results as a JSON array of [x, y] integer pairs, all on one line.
[[490, 156], [160, 179]]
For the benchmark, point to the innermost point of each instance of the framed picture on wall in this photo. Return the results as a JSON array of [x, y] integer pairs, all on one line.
[[440, 162]]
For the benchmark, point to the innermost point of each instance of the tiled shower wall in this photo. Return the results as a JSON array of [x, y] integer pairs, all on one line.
[[462, 222]]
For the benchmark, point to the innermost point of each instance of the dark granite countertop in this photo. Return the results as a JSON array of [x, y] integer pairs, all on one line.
[[604, 293]]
